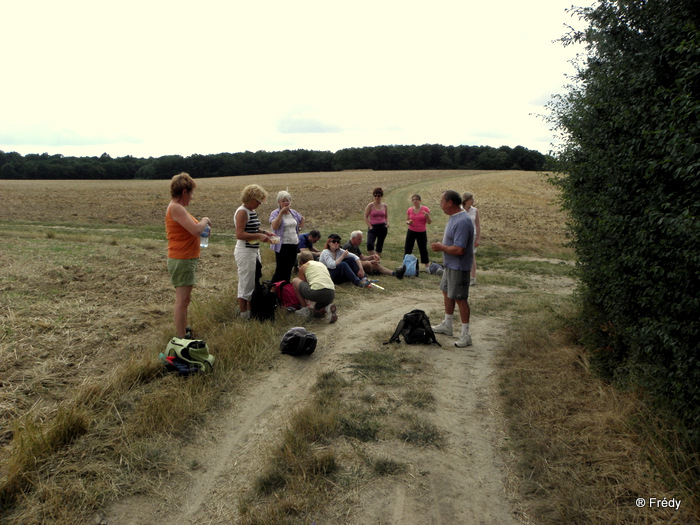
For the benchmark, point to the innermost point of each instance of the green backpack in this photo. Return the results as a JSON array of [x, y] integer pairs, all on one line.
[[194, 352]]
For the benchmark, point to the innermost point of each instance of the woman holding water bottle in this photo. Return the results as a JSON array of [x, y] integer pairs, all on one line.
[[183, 232]]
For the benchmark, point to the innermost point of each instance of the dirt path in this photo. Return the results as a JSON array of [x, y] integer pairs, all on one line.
[[461, 483]]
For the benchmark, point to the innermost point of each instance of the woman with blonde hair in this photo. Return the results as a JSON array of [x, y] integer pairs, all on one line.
[[286, 223], [183, 232], [249, 236]]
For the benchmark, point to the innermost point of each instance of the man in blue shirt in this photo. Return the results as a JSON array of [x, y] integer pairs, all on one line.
[[457, 249], [306, 243]]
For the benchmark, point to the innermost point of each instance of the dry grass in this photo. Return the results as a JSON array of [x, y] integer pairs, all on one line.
[[85, 411], [518, 207], [579, 456]]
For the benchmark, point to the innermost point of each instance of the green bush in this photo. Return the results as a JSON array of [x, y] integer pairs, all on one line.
[[629, 171]]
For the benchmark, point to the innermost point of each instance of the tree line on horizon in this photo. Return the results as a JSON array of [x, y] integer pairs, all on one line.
[[425, 157]]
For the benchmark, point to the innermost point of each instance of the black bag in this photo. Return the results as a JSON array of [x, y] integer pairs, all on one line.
[[264, 299], [263, 302], [298, 341], [415, 329]]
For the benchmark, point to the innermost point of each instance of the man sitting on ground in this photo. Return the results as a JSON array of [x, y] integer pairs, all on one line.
[[314, 288], [370, 263], [307, 241]]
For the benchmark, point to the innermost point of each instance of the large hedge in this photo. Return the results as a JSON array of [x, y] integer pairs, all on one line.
[[630, 176]]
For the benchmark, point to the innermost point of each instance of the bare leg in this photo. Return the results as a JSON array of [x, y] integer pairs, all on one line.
[[243, 305], [182, 301], [449, 304], [463, 305]]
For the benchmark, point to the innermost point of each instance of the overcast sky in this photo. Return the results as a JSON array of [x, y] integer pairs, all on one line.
[[154, 77]]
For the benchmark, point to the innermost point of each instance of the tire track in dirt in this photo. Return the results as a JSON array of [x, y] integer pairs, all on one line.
[[462, 483]]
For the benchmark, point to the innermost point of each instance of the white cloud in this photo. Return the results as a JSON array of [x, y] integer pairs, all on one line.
[[151, 78]]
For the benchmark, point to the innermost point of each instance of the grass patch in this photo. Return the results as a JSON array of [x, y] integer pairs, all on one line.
[[421, 432], [421, 399], [388, 467], [541, 268], [34, 444], [575, 436], [379, 367]]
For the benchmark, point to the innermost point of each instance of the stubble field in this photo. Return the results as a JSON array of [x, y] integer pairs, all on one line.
[[84, 287]]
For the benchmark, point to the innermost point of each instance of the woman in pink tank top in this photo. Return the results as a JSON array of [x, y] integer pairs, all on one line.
[[377, 219]]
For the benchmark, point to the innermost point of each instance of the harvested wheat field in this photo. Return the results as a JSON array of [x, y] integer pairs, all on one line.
[[92, 430]]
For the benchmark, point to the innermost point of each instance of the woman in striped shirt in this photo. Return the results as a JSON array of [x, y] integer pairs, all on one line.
[[249, 235]]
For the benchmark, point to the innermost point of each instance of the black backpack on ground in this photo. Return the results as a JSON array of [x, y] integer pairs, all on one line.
[[415, 330], [298, 341], [264, 300]]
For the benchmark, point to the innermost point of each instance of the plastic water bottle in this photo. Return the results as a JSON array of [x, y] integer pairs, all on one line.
[[204, 239]]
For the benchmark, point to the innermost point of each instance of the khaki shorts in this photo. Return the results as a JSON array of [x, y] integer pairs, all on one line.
[[182, 271], [455, 283]]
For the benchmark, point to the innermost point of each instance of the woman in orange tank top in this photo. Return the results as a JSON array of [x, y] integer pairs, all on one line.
[[183, 232]]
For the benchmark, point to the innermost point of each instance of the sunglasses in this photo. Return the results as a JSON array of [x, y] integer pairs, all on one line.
[[378, 194], [334, 240]]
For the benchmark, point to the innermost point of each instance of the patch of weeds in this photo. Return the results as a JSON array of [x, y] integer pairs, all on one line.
[[359, 425], [422, 399], [148, 456], [388, 467], [270, 482], [422, 433], [330, 383], [317, 422], [379, 367], [368, 397], [413, 363], [510, 280], [546, 268]]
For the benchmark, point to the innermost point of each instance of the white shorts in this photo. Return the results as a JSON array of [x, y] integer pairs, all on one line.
[[246, 259]]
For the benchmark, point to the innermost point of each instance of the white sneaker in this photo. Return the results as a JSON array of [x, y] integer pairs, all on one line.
[[443, 328], [304, 312], [472, 281], [245, 315], [464, 340]]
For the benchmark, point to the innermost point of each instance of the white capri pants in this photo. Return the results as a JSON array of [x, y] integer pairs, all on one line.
[[245, 260]]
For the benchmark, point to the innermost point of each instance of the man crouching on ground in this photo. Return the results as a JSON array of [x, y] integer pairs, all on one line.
[[314, 287], [457, 254]]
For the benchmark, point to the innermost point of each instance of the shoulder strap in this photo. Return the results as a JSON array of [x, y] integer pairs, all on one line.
[[395, 338], [428, 330]]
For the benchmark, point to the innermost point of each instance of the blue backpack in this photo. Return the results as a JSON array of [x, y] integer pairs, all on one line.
[[411, 264]]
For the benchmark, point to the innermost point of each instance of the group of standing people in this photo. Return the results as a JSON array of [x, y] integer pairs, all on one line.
[[320, 271]]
